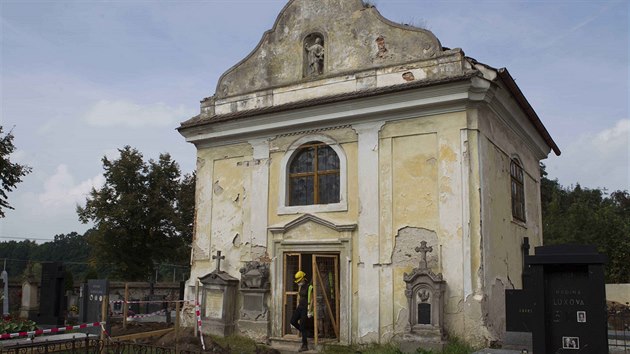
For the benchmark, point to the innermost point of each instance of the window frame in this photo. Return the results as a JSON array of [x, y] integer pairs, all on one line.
[[315, 173], [284, 191], [517, 190]]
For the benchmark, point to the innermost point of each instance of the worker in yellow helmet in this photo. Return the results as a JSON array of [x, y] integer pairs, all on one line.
[[299, 318]]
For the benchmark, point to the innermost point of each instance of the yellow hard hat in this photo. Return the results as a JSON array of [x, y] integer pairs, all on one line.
[[299, 276]]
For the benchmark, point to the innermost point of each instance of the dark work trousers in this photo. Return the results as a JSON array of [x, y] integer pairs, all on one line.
[[300, 314]]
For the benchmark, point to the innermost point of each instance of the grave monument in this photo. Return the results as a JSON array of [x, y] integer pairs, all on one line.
[[254, 316], [425, 298], [52, 295], [563, 303], [218, 301], [91, 299], [29, 305]]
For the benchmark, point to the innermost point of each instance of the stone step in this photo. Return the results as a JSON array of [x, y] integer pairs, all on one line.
[[291, 344]]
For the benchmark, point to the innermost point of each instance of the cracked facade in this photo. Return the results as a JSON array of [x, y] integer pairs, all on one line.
[[425, 138]]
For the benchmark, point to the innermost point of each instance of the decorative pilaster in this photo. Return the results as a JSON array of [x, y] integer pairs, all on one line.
[[368, 238], [259, 192]]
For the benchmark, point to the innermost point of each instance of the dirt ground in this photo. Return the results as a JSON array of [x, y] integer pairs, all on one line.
[[187, 340]]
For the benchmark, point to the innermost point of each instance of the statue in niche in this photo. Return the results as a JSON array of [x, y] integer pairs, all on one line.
[[314, 47]]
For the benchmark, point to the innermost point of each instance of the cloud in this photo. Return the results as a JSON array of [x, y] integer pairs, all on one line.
[[600, 159], [61, 191], [105, 113]]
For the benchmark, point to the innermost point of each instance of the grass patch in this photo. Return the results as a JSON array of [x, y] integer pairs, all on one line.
[[454, 346], [372, 348], [457, 346], [238, 344]]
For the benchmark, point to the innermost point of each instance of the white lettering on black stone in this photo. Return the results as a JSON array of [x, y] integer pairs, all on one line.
[[568, 302]]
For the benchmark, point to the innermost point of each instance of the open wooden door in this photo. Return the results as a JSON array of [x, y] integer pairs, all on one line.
[[326, 297], [322, 270], [292, 263]]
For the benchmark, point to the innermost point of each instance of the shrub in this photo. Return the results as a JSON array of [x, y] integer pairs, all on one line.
[[10, 325]]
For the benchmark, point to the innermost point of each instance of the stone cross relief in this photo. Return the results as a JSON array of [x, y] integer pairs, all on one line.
[[218, 257], [424, 249]]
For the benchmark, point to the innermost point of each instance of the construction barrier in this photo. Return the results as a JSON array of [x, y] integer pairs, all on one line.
[[198, 313], [51, 330]]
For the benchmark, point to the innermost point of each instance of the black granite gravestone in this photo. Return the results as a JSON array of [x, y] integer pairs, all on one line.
[[97, 291], [518, 310], [564, 303], [52, 295]]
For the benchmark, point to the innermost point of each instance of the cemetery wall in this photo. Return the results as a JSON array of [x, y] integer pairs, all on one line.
[[140, 290], [137, 290], [618, 292]]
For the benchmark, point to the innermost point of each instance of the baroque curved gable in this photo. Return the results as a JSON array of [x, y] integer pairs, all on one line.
[[354, 37]]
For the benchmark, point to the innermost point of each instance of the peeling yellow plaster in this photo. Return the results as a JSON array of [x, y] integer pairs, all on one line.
[[414, 182], [447, 154], [424, 125]]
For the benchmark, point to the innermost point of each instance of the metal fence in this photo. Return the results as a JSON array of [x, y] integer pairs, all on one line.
[[619, 329], [89, 346]]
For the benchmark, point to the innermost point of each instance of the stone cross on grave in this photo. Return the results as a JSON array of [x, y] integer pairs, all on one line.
[[218, 257], [424, 249]]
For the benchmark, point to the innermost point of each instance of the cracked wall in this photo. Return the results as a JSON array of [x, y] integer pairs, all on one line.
[[503, 235]]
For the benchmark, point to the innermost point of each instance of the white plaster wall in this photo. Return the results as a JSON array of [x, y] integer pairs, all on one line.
[[368, 238]]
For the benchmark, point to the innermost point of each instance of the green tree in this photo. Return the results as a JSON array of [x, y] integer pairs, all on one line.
[[142, 214], [577, 215], [17, 255], [10, 173], [72, 249]]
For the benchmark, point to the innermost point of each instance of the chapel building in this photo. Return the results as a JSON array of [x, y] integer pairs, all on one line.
[[359, 151]]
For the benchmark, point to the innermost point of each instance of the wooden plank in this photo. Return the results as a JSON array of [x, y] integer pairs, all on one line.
[[143, 334], [334, 323]]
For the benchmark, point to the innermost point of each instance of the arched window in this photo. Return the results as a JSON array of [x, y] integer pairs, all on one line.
[[313, 175], [518, 190]]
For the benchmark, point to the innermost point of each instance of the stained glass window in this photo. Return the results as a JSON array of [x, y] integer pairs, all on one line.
[[314, 175]]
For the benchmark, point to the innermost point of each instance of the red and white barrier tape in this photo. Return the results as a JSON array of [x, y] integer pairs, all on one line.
[[105, 331], [148, 314], [198, 313], [51, 330]]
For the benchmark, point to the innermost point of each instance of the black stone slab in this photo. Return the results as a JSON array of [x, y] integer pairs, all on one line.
[[52, 304], [518, 310], [564, 302], [97, 291], [424, 313]]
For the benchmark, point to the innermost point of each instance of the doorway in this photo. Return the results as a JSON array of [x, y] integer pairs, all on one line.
[[322, 271]]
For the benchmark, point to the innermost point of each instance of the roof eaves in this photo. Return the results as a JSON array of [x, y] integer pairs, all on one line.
[[511, 85]]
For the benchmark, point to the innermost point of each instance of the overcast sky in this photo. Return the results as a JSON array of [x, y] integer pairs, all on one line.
[[80, 79]]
